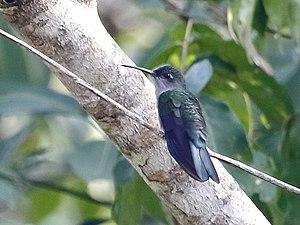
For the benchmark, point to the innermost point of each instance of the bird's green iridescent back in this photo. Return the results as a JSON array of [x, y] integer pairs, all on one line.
[[187, 108]]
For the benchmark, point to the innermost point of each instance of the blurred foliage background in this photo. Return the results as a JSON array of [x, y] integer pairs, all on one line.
[[57, 167]]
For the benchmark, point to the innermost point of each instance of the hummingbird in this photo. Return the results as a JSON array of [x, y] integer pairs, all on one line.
[[181, 118]]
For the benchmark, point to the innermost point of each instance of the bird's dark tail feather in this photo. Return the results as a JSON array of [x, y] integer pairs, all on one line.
[[206, 160], [202, 164]]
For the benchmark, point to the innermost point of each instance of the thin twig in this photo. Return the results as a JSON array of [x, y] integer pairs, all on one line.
[[185, 43], [157, 131], [52, 187], [254, 172]]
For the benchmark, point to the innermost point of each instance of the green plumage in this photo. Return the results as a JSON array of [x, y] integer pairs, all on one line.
[[185, 106]]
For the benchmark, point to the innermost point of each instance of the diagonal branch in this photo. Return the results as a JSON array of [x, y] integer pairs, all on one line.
[[255, 172]]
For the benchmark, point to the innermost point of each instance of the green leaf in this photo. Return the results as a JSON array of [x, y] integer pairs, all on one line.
[[166, 50], [37, 209], [278, 13], [31, 99], [225, 133], [94, 160], [228, 93], [123, 172], [8, 145], [126, 209], [294, 8], [260, 18], [18, 65], [198, 75], [158, 54], [162, 56], [94, 221], [210, 43], [9, 194], [260, 84], [134, 200]]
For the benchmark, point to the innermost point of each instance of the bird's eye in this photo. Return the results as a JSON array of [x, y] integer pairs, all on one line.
[[169, 76]]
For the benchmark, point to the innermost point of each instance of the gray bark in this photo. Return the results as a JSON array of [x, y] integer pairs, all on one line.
[[70, 32]]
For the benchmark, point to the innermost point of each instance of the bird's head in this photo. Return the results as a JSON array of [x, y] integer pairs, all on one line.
[[165, 78]]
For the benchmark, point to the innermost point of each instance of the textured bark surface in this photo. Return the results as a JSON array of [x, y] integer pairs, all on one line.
[[70, 32]]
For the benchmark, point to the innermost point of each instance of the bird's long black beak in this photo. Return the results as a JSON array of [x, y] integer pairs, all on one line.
[[141, 69]]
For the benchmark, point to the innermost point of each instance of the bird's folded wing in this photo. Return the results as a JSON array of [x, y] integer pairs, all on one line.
[[178, 140]]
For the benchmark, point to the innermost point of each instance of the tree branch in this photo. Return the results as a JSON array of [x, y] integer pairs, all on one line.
[[185, 44], [255, 172], [82, 43]]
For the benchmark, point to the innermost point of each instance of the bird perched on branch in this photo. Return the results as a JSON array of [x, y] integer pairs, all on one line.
[[182, 121]]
